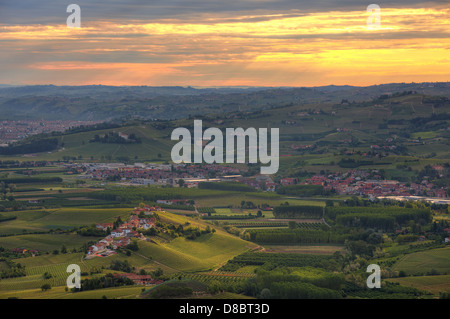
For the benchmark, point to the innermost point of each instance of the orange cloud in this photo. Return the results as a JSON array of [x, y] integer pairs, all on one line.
[[314, 49]]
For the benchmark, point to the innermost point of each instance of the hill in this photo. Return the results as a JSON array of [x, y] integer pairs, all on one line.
[[383, 132], [98, 102]]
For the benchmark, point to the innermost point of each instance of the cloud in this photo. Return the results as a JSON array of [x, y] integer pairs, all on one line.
[[202, 43], [13, 12]]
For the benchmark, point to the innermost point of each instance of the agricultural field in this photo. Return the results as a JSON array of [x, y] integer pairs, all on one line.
[[432, 284], [204, 253], [62, 218], [434, 260], [59, 293], [304, 249], [46, 242], [311, 241]]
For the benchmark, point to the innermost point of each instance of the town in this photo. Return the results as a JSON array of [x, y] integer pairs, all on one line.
[[13, 131], [367, 183]]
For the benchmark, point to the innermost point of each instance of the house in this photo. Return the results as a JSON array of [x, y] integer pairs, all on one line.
[[116, 233], [19, 250], [447, 240], [105, 226]]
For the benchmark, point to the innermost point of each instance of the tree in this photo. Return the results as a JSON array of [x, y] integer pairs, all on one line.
[[46, 287], [157, 273], [47, 275], [133, 245], [329, 203], [142, 272], [214, 287], [265, 293]]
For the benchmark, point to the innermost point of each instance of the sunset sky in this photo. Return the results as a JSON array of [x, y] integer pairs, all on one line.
[[223, 43]]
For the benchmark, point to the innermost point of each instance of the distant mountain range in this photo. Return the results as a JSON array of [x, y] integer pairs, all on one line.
[[99, 102]]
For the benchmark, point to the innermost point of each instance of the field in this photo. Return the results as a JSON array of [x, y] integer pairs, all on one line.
[[258, 199], [63, 218], [304, 249], [433, 284], [60, 293], [204, 253], [46, 242], [322, 139], [36, 267], [425, 261]]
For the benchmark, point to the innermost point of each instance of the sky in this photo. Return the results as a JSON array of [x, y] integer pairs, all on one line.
[[224, 43]]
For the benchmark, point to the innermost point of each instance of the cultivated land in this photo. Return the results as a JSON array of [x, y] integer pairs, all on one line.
[[433, 284], [298, 239], [425, 262]]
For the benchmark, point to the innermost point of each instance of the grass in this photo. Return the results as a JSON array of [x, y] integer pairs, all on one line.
[[127, 292], [425, 261], [433, 284], [306, 249], [46, 242], [56, 265], [212, 249], [63, 218], [50, 259], [257, 198], [424, 135], [227, 295], [172, 258]]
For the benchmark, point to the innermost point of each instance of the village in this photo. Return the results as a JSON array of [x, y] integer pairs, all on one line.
[[121, 236], [362, 183], [12, 131], [353, 182]]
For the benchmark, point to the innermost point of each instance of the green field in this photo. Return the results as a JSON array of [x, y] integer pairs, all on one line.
[[60, 293], [425, 261], [433, 284], [305, 249], [63, 218], [45, 242], [204, 253]]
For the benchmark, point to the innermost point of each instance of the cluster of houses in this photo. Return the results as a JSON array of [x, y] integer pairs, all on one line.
[[149, 173], [357, 183], [11, 131], [121, 236]]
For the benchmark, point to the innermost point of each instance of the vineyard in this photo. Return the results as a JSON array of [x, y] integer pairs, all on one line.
[[280, 259], [229, 217], [377, 217], [258, 224], [303, 211], [35, 277], [297, 235], [229, 281], [206, 210], [314, 225], [274, 224]]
